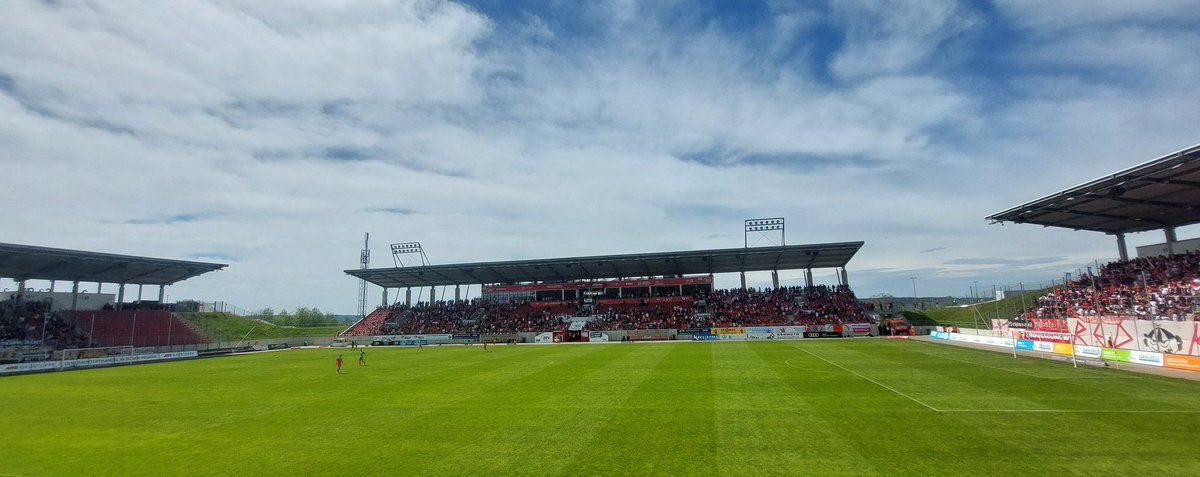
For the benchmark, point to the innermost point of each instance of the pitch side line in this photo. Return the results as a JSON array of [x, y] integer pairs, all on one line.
[[877, 383], [1114, 411]]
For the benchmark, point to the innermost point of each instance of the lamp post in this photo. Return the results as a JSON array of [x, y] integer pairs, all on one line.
[[914, 284]]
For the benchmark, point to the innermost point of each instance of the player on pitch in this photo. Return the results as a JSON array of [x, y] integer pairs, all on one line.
[[339, 364], [362, 355]]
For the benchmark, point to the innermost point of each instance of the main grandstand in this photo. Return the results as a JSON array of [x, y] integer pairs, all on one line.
[[41, 324], [653, 291]]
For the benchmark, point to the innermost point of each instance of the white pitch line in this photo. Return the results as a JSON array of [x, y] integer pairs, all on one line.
[[877, 383], [1116, 411]]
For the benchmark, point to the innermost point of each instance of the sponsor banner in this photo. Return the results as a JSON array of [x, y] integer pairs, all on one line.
[[25, 367], [1063, 348], [662, 300], [1110, 354], [1146, 357], [1044, 336], [984, 340], [705, 337], [597, 336], [741, 337], [278, 346], [940, 328], [1189, 363], [775, 332], [691, 331], [658, 282], [1087, 351], [112, 360], [465, 337], [1160, 336], [859, 328], [1048, 325], [822, 334], [1045, 346], [441, 337], [728, 331], [1025, 345], [939, 335]]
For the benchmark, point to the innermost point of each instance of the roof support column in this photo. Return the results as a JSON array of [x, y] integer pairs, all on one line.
[[408, 296], [432, 294], [162, 294], [845, 278], [457, 293], [74, 295], [1122, 250], [139, 292], [20, 291], [808, 281], [775, 279], [121, 297], [743, 280], [385, 303], [1170, 232]]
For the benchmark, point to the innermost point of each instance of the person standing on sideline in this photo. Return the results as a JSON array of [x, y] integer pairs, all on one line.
[[485, 345], [362, 355], [339, 364]]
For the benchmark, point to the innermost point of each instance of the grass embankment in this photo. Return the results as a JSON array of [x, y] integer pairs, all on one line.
[[977, 315], [811, 407], [227, 327]]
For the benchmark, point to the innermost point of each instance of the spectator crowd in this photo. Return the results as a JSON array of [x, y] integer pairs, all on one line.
[[1160, 288], [718, 308]]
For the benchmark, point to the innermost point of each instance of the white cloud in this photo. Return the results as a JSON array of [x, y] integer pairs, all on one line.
[[284, 132]]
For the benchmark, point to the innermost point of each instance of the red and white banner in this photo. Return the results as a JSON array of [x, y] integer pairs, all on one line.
[[1175, 337]]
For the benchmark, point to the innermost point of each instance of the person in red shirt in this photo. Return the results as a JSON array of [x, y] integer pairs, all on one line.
[[339, 364]]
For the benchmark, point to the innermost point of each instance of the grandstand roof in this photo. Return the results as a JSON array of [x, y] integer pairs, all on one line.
[[789, 257], [26, 262], [1162, 193]]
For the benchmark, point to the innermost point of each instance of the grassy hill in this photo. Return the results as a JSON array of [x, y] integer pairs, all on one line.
[[966, 316], [227, 327]]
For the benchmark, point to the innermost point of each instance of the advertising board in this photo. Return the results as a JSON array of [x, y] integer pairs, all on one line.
[[1189, 363], [1146, 357], [1110, 354], [1084, 351]]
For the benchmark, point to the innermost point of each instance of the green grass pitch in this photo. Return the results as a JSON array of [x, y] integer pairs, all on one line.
[[816, 407]]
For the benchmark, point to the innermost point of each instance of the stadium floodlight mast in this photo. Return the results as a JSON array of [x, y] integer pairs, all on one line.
[[411, 248], [407, 248], [364, 262], [762, 226]]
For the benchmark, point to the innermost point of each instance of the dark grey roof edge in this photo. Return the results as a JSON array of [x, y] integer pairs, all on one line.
[[102, 255], [635, 256], [1099, 182], [194, 268]]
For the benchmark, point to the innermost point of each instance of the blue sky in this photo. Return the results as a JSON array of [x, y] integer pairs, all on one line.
[[270, 135]]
